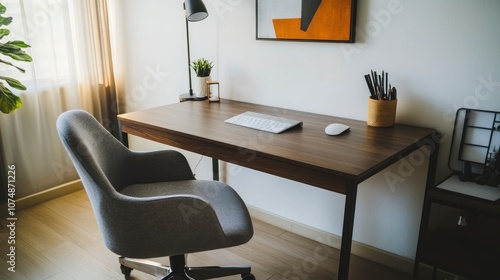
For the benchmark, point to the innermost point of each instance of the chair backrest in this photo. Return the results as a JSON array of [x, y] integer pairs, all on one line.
[[95, 153]]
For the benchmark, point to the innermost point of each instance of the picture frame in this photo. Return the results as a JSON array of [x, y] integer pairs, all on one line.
[[306, 20]]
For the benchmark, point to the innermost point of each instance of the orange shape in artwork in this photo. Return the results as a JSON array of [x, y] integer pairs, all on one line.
[[332, 21]]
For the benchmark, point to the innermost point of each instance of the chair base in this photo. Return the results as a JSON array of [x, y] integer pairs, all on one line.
[[179, 271]]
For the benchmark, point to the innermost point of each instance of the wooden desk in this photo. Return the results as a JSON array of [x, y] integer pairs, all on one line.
[[306, 154]]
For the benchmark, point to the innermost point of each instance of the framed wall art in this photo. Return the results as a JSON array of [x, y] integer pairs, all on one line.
[[306, 20]]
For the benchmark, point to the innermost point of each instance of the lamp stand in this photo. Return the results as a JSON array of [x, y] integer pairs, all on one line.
[[190, 96]]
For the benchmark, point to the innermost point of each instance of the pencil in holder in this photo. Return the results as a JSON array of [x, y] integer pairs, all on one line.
[[381, 113]]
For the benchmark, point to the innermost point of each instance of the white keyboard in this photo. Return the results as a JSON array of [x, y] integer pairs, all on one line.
[[263, 122]]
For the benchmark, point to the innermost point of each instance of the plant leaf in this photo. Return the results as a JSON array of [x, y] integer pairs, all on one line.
[[8, 101], [13, 83], [19, 44], [8, 63], [5, 20], [2, 9], [19, 56], [4, 32], [14, 52]]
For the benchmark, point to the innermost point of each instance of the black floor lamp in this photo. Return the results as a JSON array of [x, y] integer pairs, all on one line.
[[195, 11]]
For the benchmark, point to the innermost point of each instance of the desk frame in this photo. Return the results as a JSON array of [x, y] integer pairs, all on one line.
[[304, 154]]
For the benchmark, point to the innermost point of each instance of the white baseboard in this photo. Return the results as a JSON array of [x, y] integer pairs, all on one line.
[[44, 196], [359, 249]]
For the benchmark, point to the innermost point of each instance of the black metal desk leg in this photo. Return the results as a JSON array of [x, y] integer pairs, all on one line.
[[123, 135], [345, 249], [426, 210], [215, 169]]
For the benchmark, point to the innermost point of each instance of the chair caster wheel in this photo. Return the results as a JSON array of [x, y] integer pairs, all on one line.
[[248, 276], [126, 271]]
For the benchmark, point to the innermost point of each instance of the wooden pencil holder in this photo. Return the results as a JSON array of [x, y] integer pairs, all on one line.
[[381, 113]]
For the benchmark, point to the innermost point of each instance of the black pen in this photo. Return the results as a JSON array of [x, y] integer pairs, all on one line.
[[370, 86], [384, 94], [389, 90], [381, 87], [387, 82], [374, 80]]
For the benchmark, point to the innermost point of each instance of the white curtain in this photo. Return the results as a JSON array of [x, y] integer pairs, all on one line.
[[71, 68]]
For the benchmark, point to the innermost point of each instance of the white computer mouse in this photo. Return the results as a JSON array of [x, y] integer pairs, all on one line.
[[336, 128]]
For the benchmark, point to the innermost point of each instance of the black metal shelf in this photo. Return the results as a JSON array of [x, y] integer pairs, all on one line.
[[473, 250]]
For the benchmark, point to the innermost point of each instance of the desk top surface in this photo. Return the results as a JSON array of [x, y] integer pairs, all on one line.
[[354, 155]]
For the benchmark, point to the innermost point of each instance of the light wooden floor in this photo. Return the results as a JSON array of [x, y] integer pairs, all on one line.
[[59, 240]]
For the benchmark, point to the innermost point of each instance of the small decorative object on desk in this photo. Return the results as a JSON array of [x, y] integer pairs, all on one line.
[[383, 100], [213, 90], [202, 67]]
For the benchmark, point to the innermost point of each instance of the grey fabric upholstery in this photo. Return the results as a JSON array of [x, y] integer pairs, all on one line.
[[148, 204]]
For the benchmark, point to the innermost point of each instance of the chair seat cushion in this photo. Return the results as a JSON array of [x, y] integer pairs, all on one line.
[[230, 211]]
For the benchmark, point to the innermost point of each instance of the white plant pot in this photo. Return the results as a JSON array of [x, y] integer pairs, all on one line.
[[200, 86]]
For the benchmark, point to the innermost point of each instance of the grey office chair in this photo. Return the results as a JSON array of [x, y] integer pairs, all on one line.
[[148, 204]]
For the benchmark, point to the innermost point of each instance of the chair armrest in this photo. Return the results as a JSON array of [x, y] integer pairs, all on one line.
[[157, 166]]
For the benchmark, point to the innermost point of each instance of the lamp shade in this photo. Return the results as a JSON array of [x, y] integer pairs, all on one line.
[[195, 10]]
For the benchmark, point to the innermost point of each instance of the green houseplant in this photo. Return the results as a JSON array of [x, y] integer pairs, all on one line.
[[13, 49], [202, 67]]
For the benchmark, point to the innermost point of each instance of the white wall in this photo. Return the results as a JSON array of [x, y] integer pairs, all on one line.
[[441, 55]]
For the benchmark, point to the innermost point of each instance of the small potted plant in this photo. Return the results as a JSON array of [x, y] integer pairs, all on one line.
[[202, 67]]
